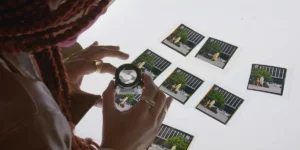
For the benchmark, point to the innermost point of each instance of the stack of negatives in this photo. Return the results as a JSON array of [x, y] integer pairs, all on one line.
[[218, 103]]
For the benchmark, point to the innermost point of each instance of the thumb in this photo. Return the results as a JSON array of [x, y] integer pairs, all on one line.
[[109, 98], [86, 66]]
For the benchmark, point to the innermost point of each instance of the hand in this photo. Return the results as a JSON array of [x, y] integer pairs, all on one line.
[[83, 63], [136, 128]]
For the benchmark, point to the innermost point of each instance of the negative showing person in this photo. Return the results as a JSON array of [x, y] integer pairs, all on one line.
[[151, 63], [268, 79], [169, 138], [183, 40], [220, 104], [181, 85], [126, 101], [216, 52]]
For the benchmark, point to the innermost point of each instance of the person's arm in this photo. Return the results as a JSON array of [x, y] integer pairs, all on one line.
[[83, 63], [136, 128], [82, 103]]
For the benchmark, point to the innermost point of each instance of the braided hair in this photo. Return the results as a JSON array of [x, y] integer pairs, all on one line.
[[30, 26]]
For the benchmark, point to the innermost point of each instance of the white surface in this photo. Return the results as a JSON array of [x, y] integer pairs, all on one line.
[[266, 32]]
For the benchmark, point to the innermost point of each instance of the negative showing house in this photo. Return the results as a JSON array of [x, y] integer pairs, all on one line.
[[183, 40], [166, 132], [151, 63], [220, 104], [216, 52], [268, 79], [181, 85]]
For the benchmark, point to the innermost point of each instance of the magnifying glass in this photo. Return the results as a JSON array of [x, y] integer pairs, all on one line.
[[128, 80]]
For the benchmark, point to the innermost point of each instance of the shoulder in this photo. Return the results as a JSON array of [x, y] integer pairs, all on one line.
[[29, 114], [14, 100]]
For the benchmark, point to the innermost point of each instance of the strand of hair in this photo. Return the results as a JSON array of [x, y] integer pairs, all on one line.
[[40, 22]]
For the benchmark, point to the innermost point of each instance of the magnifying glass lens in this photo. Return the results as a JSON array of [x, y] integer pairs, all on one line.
[[128, 76]]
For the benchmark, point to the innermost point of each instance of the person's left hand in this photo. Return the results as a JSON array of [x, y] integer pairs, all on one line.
[[83, 62]]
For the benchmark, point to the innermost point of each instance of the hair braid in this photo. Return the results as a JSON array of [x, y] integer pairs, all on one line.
[[28, 8], [50, 77], [41, 21], [40, 31], [77, 10], [53, 80], [53, 40], [11, 4], [63, 76], [43, 34]]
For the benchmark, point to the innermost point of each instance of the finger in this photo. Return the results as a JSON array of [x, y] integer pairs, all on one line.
[[113, 48], [95, 43], [108, 68], [149, 92], [78, 68], [109, 99], [99, 52], [115, 54], [160, 100], [88, 67], [165, 109], [85, 66]]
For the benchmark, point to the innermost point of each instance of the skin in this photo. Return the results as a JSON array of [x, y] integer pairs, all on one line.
[[83, 63], [134, 129]]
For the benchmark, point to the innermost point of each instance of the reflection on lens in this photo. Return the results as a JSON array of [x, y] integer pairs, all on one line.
[[128, 76]]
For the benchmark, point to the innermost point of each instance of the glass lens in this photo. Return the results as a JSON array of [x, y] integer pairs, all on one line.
[[128, 76]]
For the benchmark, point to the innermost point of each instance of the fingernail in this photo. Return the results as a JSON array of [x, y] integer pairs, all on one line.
[[111, 82], [145, 74]]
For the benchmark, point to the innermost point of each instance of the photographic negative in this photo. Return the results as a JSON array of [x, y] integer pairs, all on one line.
[[268, 79], [151, 63], [181, 85], [126, 101], [169, 138], [216, 52], [220, 104], [183, 40]]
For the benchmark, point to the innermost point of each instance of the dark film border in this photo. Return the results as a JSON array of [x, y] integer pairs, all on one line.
[[225, 123], [210, 38], [283, 85], [202, 81], [147, 50], [174, 32]]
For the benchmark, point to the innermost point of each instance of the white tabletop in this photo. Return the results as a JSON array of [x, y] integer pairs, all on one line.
[[266, 32]]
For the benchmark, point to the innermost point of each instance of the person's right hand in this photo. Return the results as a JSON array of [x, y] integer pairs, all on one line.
[[136, 128]]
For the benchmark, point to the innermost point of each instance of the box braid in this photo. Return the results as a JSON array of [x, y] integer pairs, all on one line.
[[28, 7], [40, 21], [31, 27], [70, 30], [43, 34]]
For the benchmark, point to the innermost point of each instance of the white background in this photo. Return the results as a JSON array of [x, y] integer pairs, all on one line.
[[266, 32]]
